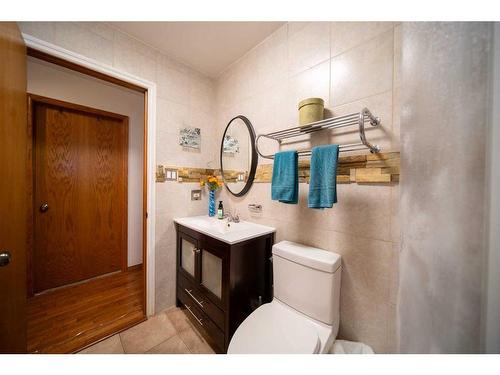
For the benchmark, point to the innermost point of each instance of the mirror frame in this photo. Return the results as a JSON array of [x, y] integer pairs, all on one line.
[[253, 166]]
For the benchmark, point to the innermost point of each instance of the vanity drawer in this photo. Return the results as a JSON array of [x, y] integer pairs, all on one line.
[[197, 297], [201, 320]]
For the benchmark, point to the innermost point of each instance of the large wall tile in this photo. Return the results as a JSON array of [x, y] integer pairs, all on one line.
[[226, 90], [313, 82], [201, 94], [363, 71], [165, 276], [121, 38], [133, 57], [173, 80], [271, 58], [308, 45], [347, 35], [40, 30], [100, 28], [362, 210], [73, 36], [381, 106], [171, 116]]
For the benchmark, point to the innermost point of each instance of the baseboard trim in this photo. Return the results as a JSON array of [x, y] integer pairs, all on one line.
[[137, 267]]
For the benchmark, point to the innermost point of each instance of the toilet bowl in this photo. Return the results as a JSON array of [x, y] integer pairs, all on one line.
[[303, 317]]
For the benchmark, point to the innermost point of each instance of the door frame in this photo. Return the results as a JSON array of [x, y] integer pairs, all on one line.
[[34, 99], [75, 61]]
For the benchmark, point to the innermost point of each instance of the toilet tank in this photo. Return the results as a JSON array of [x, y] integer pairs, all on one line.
[[308, 280]]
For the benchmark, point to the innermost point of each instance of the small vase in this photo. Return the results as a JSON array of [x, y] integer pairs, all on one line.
[[211, 203]]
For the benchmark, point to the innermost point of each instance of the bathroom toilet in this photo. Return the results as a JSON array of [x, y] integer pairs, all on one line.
[[303, 317]]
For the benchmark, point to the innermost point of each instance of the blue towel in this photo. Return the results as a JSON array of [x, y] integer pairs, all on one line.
[[285, 184], [323, 182]]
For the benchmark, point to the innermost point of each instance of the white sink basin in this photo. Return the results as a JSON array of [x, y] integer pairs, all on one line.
[[223, 230]]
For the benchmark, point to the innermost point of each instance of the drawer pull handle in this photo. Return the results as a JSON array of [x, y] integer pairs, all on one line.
[[194, 316], [193, 297]]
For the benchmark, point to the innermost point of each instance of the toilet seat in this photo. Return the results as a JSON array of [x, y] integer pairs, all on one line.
[[275, 329]]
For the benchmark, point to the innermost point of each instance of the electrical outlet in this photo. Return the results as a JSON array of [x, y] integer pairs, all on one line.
[[195, 195]]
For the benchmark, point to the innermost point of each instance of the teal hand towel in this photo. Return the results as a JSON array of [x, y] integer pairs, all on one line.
[[323, 176], [285, 184]]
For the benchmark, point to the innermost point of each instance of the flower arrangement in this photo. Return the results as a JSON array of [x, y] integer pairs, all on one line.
[[212, 182]]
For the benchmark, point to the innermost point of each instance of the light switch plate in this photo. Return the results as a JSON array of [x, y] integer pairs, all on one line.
[[170, 174], [195, 195]]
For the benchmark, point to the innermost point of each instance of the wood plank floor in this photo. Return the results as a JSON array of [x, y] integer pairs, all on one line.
[[71, 318]]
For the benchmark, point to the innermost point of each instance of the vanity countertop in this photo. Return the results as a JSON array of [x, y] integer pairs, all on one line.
[[223, 230]]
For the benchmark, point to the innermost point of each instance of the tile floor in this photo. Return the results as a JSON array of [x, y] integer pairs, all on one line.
[[169, 332]]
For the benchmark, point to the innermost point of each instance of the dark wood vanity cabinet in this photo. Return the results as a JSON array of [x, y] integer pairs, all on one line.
[[218, 283]]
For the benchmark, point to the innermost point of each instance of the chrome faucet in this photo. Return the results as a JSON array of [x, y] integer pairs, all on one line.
[[232, 218]]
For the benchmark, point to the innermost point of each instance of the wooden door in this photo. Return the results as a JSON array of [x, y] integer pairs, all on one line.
[[13, 190], [80, 198]]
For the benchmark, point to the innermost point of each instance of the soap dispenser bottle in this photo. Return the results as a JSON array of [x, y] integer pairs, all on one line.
[[220, 211]]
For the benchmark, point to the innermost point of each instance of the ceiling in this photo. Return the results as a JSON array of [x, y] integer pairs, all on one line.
[[208, 47]]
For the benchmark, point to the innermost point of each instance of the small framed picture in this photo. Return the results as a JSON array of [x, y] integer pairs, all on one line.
[[190, 137]]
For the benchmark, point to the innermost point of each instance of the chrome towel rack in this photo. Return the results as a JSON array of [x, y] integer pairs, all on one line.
[[357, 118]]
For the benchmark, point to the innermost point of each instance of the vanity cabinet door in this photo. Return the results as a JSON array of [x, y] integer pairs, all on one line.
[[211, 272], [188, 250]]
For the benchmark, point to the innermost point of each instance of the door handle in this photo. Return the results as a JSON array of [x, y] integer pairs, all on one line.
[[194, 315], [5, 258], [189, 291], [44, 207]]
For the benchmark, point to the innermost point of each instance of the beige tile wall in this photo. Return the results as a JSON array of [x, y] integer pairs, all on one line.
[[349, 65], [185, 97]]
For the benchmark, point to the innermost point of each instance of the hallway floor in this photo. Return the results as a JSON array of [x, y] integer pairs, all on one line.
[[67, 319], [168, 332]]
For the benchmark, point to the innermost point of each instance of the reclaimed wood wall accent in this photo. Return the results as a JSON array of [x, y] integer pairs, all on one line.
[[372, 168], [186, 174]]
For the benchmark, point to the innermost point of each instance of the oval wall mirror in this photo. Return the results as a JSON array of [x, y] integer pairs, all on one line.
[[238, 158]]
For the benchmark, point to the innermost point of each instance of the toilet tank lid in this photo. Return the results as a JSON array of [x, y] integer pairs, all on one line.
[[313, 257]]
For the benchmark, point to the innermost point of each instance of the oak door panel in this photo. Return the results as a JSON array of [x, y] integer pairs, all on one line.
[[81, 174], [14, 198]]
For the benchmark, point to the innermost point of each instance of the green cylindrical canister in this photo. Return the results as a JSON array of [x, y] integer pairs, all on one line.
[[311, 110]]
